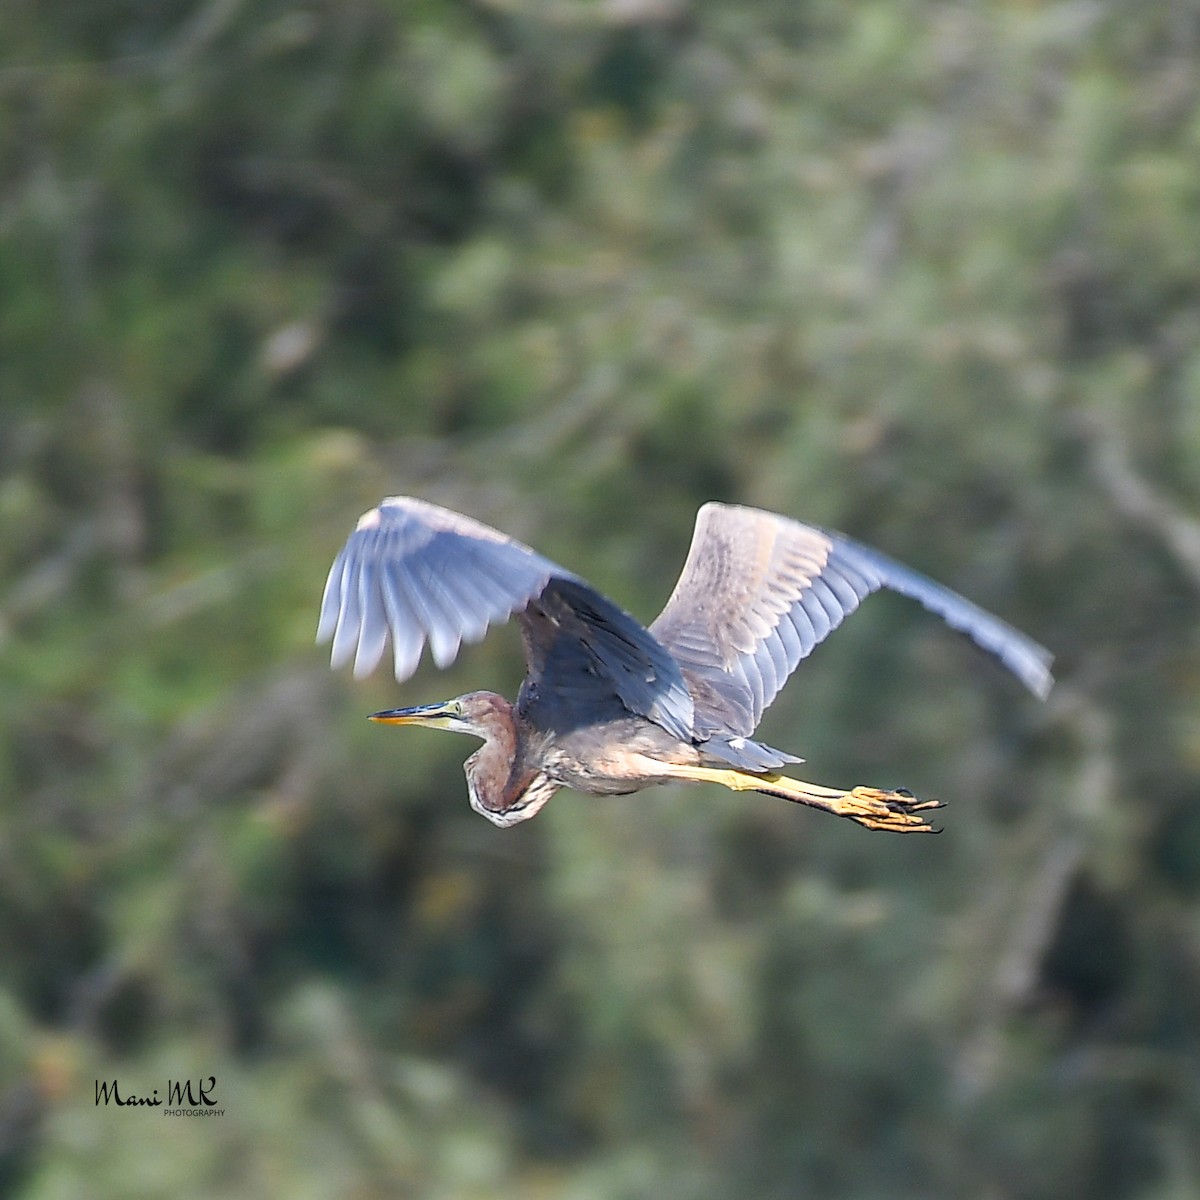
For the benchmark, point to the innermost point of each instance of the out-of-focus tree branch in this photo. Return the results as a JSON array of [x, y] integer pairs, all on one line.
[[1014, 978], [1135, 499]]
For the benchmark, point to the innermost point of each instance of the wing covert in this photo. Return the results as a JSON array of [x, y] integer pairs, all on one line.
[[758, 592]]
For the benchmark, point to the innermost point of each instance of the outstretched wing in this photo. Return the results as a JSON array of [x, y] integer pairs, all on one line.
[[414, 572], [759, 591]]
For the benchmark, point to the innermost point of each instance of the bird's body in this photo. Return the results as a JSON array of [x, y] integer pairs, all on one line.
[[521, 765], [608, 706]]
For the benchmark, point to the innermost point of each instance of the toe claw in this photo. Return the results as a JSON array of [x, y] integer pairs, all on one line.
[[897, 811]]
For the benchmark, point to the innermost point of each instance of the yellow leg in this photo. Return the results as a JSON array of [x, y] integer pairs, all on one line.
[[872, 808]]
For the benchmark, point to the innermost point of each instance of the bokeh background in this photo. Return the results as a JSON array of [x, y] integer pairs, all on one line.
[[924, 271]]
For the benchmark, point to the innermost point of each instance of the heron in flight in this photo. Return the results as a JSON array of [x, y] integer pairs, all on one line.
[[609, 706]]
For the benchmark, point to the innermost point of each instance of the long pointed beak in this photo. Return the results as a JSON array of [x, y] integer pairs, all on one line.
[[436, 716]]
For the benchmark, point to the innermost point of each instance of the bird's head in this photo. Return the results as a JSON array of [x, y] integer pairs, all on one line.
[[504, 795], [477, 713]]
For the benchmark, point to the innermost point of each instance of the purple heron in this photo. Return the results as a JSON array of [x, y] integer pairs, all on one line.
[[609, 706]]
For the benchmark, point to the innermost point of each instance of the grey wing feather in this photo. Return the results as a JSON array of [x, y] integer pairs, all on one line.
[[415, 573], [574, 635], [759, 591], [405, 574]]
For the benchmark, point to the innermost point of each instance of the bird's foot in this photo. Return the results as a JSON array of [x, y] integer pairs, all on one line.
[[898, 811]]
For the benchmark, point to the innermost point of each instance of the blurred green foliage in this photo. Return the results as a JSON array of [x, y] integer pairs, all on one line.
[[928, 272]]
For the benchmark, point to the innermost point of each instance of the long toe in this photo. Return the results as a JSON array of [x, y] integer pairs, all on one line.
[[897, 811]]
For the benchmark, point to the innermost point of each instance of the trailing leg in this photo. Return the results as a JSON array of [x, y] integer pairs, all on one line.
[[897, 811]]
